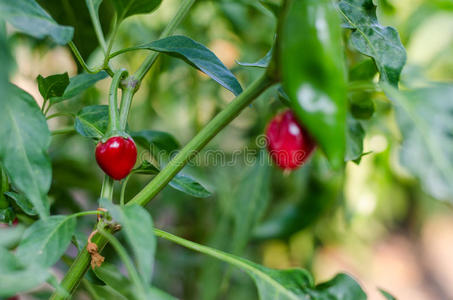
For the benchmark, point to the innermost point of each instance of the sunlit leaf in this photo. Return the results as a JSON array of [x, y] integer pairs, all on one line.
[[369, 37]]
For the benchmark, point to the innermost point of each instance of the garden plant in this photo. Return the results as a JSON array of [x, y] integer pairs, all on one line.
[[330, 76]]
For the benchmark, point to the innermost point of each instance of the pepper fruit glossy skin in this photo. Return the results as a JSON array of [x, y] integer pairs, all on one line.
[[116, 156], [289, 144]]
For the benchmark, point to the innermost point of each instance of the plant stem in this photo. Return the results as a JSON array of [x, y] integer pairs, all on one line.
[[200, 140], [94, 15], [114, 122], [87, 213], [151, 59], [107, 188], [123, 189], [80, 58], [82, 261], [61, 114], [80, 265], [126, 100], [226, 257], [111, 40], [63, 131]]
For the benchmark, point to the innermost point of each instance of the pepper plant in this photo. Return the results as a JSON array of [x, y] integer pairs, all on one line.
[[326, 60]]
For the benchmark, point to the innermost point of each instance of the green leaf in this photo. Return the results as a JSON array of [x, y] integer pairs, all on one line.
[[180, 182], [251, 200], [78, 84], [273, 6], [14, 278], [315, 81], [53, 85], [24, 156], [425, 119], [11, 236], [28, 17], [262, 63], [127, 8], [137, 225], [92, 121], [387, 295], [341, 287], [354, 137], [22, 202], [7, 215], [121, 284], [189, 186], [382, 43], [196, 55], [162, 140], [146, 168], [112, 277], [291, 284], [46, 240]]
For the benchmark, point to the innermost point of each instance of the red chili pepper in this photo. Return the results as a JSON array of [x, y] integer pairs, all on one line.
[[289, 144], [116, 156]]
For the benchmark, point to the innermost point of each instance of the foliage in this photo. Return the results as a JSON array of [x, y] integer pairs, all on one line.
[[346, 76]]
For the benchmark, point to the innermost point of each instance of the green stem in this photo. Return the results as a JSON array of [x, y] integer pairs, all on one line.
[[123, 189], [63, 131], [126, 260], [226, 257], [111, 40], [80, 265], [61, 114], [200, 140], [97, 25], [80, 58], [82, 261], [43, 107], [114, 124], [107, 188], [151, 59], [87, 213], [126, 100]]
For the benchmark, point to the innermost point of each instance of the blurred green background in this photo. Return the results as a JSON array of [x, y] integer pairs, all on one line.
[[373, 221]]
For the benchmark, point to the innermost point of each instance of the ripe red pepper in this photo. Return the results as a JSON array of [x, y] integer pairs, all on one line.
[[116, 156], [289, 144]]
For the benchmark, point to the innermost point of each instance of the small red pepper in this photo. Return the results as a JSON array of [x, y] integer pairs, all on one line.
[[289, 144], [116, 156]]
